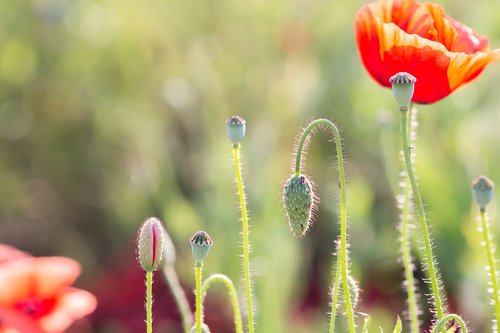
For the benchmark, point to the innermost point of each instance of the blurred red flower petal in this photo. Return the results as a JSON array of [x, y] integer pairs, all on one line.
[[36, 292]]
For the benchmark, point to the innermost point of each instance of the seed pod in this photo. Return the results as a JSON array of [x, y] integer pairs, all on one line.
[[300, 203], [150, 244], [235, 127], [200, 244], [482, 191], [403, 85]]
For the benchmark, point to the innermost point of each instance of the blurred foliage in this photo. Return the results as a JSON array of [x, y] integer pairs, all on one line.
[[113, 111]]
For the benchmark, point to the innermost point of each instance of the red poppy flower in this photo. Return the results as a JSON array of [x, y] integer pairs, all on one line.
[[36, 297], [408, 36]]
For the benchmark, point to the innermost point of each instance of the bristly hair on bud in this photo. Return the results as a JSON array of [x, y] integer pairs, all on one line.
[[235, 127], [200, 244], [301, 202], [403, 85], [150, 242], [482, 191]]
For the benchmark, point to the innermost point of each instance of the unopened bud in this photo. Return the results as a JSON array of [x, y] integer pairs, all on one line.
[[300, 204], [235, 127], [200, 244], [150, 244], [482, 191], [403, 85]]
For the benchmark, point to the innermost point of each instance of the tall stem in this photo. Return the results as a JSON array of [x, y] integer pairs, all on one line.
[[491, 262], [149, 302], [421, 216], [198, 270], [232, 295], [179, 296], [343, 213], [406, 245], [246, 242]]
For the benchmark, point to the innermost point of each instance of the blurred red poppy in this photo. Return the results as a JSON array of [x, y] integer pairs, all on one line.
[[36, 297], [418, 38]]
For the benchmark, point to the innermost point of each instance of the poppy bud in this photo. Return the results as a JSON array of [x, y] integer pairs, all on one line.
[[150, 244], [300, 204], [204, 328], [482, 191], [235, 127], [403, 85], [200, 244]]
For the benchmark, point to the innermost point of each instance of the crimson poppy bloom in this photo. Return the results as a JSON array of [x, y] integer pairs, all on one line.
[[408, 36], [36, 297]]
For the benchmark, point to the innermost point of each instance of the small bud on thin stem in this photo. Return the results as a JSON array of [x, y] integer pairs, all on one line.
[[150, 242], [200, 244], [482, 191]]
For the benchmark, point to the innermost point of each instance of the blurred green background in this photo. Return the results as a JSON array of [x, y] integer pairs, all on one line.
[[113, 111]]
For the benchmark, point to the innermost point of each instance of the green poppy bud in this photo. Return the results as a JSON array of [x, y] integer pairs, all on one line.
[[200, 244], [482, 191], [235, 127], [300, 203], [150, 241], [403, 85]]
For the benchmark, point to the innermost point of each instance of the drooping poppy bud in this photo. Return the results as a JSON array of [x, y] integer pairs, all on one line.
[[235, 127], [150, 242], [200, 244], [300, 203], [482, 191], [403, 86]]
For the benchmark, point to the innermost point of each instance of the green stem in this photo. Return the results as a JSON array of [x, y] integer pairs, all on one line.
[[335, 296], [246, 242], [198, 270], [343, 211], [180, 297], [421, 216], [440, 325], [149, 302], [491, 262], [232, 294], [406, 248]]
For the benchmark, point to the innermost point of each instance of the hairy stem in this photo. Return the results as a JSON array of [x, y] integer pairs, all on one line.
[[180, 297], [491, 262], [198, 270], [149, 302], [421, 216], [246, 242], [232, 294], [406, 246], [440, 324], [343, 213], [335, 295]]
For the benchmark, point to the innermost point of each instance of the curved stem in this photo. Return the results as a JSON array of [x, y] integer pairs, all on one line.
[[343, 210], [406, 246], [445, 319], [491, 262], [232, 294], [246, 242], [198, 270], [149, 302], [179, 296], [421, 216]]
